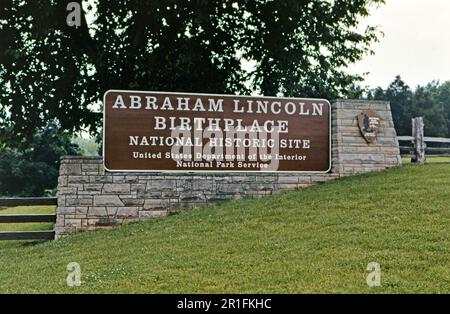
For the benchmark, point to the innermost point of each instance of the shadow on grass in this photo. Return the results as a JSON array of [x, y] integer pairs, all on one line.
[[32, 243], [21, 243]]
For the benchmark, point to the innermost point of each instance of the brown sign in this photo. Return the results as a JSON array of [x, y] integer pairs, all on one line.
[[369, 124], [164, 131]]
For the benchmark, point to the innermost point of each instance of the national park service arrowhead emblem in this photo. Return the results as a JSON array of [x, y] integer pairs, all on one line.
[[369, 124]]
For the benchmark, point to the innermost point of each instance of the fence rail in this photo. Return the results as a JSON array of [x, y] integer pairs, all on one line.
[[28, 201], [426, 139], [28, 235], [418, 150], [35, 218], [27, 218]]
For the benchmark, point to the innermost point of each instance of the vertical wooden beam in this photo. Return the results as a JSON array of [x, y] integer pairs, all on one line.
[[418, 141]]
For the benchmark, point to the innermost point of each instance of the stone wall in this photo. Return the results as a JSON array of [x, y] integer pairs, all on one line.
[[90, 198], [351, 153]]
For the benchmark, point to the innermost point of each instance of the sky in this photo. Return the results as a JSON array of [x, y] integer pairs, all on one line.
[[416, 44]]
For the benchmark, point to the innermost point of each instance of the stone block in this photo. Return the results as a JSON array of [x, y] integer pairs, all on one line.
[[67, 190], [152, 195], [192, 196], [139, 187], [362, 158], [62, 181], [78, 186], [111, 211], [76, 223], [61, 200], [78, 179], [218, 197], [93, 187], [81, 210], [97, 211], [392, 141], [131, 179], [174, 193], [102, 222], [132, 201], [156, 204], [380, 106], [264, 178], [230, 188], [184, 184], [76, 216], [320, 178], [160, 185], [259, 187], [305, 179], [116, 188], [241, 178], [82, 201], [287, 179], [127, 212], [66, 210], [287, 186], [107, 200], [143, 214], [100, 179], [70, 169], [91, 168]]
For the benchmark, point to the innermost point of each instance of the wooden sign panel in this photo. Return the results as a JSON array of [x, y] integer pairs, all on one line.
[[164, 131]]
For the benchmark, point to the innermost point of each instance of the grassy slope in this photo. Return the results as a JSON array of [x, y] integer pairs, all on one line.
[[314, 240]]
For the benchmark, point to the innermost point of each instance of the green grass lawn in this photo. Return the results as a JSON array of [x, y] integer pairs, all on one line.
[[316, 240], [428, 160]]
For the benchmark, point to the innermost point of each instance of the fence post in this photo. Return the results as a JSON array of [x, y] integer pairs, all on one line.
[[418, 141]]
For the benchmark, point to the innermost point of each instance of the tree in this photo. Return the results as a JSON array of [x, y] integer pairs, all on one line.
[[400, 96], [426, 104], [50, 70], [432, 102], [29, 169], [442, 100]]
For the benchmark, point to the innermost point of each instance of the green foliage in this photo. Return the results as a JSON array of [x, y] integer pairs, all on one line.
[[432, 102], [88, 147], [31, 168], [315, 240], [50, 70]]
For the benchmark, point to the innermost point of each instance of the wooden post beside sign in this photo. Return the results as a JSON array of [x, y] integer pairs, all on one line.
[[165, 131], [418, 141]]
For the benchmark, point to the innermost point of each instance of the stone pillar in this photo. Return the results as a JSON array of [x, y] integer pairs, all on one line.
[[89, 198], [350, 151]]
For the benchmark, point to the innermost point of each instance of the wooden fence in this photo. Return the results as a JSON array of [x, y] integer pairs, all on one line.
[[418, 150], [28, 235]]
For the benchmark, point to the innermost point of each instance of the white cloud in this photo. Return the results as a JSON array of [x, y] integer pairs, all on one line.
[[416, 43]]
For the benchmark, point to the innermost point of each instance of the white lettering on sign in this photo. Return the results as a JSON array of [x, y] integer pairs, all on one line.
[[192, 104]]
